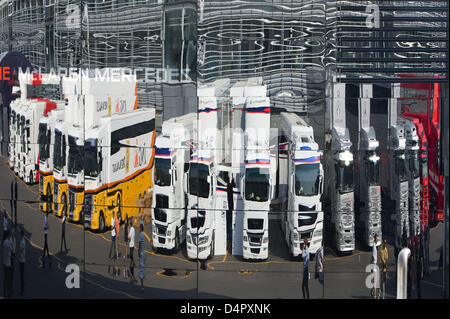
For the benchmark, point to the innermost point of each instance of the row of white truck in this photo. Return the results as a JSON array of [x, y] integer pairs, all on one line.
[[215, 174]]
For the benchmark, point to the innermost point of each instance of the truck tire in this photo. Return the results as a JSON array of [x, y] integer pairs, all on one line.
[[30, 181], [101, 222]]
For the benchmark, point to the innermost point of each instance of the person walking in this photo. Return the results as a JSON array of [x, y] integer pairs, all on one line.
[[411, 269], [112, 248], [117, 226], [63, 234], [375, 262], [384, 261], [126, 227], [397, 243], [319, 266], [7, 265], [426, 251], [46, 242], [419, 268], [13, 256], [22, 260], [142, 256], [131, 245], [305, 256]]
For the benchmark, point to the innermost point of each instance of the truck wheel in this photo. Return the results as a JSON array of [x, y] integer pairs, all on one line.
[[30, 178], [101, 222], [64, 203], [177, 241]]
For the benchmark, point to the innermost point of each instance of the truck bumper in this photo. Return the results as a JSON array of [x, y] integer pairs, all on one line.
[[253, 252], [202, 253], [163, 242]]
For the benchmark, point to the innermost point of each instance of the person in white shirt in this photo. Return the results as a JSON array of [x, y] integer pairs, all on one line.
[[113, 238], [46, 242], [7, 264], [131, 246], [305, 256], [374, 250], [21, 259]]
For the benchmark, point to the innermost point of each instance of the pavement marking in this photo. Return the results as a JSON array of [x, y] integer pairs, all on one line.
[[148, 238], [225, 257], [244, 272], [161, 273], [432, 283]]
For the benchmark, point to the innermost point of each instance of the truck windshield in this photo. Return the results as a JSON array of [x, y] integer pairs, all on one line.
[[400, 166], [162, 174], [75, 163], [257, 184], [199, 220], [414, 164], [44, 142], [57, 150], [373, 169], [91, 159], [255, 223], [306, 179], [198, 182], [344, 173]]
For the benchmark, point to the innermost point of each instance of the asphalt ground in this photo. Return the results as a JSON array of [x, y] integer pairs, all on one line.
[[174, 276]]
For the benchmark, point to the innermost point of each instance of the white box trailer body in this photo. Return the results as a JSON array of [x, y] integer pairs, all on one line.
[[257, 185], [119, 155], [91, 98], [172, 152], [38, 109], [302, 216], [201, 181]]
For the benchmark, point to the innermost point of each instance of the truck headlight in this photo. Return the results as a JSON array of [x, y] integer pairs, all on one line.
[[189, 240], [245, 238], [318, 232], [154, 230], [265, 240], [169, 233], [295, 236]]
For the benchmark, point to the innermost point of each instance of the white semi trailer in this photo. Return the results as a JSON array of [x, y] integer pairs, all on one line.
[[339, 171], [365, 148], [204, 238], [301, 167], [413, 172], [394, 178], [172, 152]]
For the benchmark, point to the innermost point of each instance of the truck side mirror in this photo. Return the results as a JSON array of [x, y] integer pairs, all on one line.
[[320, 184]]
